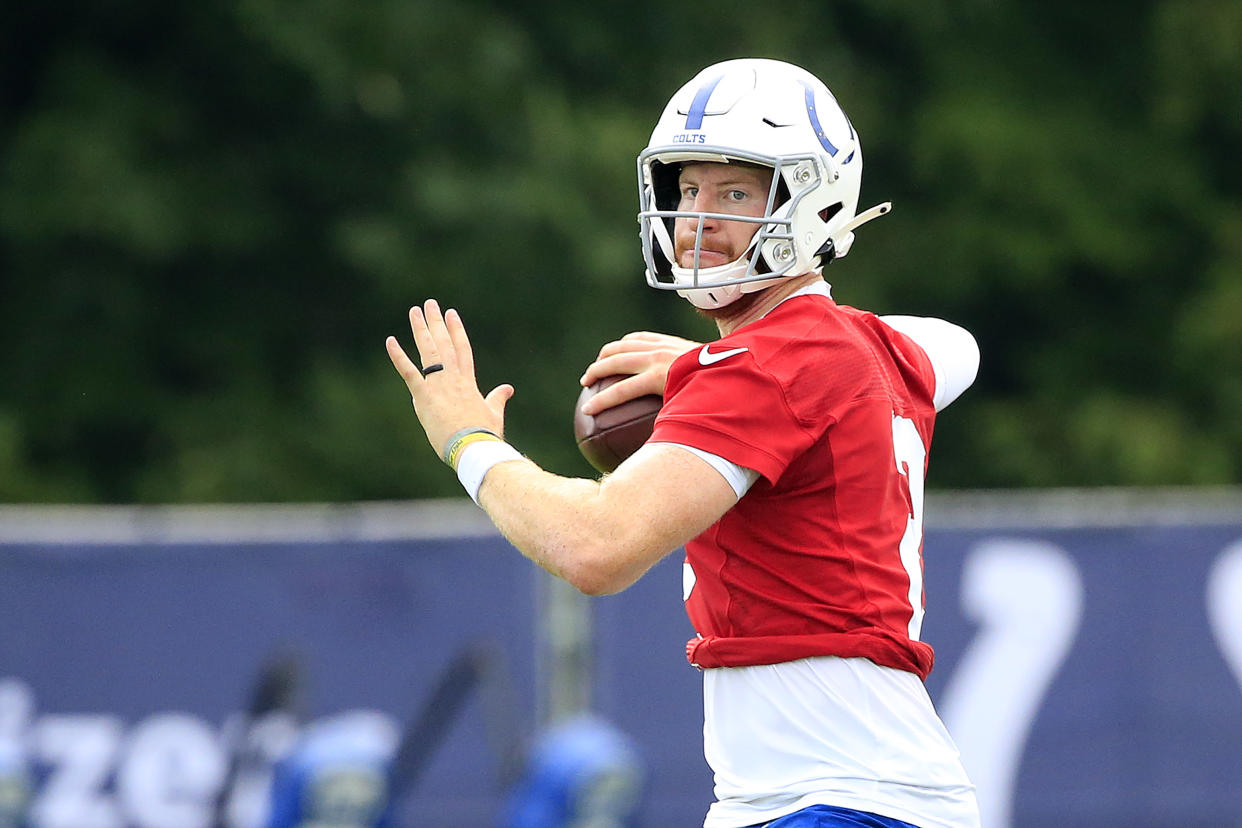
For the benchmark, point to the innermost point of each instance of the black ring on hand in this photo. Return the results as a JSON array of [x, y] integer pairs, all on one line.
[[432, 368]]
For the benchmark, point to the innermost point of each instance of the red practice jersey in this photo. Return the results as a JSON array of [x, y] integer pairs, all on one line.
[[823, 555]]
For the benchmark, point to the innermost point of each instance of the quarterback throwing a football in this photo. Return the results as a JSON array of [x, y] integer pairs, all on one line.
[[788, 460]]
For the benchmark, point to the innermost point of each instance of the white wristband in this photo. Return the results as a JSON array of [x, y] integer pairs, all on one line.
[[477, 459]]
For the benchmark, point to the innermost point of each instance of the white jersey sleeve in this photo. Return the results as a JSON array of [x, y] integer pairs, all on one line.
[[952, 350]]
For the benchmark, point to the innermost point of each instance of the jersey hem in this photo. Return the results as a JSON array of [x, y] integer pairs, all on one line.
[[879, 646]]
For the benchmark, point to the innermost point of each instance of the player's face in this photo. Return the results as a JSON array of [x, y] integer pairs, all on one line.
[[734, 189]]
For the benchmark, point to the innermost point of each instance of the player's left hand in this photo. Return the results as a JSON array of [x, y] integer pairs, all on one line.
[[446, 399], [645, 355]]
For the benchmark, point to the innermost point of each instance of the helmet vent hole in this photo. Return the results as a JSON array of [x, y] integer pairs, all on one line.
[[829, 211]]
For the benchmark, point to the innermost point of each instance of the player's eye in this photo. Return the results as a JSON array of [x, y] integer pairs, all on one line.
[[738, 195]]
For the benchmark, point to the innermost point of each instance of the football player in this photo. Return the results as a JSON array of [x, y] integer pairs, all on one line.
[[788, 459]]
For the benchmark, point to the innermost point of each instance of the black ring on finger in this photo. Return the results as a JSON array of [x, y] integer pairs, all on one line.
[[432, 368]]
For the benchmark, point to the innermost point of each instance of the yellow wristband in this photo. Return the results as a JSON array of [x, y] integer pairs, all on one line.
[[463, 438]]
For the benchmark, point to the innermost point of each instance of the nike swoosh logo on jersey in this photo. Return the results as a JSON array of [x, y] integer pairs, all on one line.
[[706, 357]]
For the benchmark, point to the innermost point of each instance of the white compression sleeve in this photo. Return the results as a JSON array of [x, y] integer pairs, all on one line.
[[952, 350], [739, 477]]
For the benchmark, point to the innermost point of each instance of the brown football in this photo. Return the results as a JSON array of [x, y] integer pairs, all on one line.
[[615, 433]]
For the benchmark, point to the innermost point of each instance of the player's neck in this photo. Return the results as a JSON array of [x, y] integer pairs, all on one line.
[[764, 302]]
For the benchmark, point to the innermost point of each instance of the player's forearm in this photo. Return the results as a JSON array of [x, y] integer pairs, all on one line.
[[566, 526]]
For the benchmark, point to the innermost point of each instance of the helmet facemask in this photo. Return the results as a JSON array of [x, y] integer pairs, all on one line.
[[773, 253]]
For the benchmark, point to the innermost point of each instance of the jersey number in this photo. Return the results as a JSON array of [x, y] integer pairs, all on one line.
[[911, 460]]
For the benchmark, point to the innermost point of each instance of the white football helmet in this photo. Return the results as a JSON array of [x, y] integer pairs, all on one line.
[[762, 112]]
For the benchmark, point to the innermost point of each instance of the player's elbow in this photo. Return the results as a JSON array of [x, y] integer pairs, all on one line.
[[598, 580], [597, 586], [603, 568]]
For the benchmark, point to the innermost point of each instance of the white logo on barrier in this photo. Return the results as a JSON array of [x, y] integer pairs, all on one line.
[[1027, 597], [1224, 605], [167, 771]]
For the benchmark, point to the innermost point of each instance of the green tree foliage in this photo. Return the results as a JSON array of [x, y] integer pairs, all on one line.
[[211, 214]]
